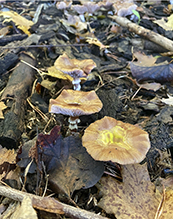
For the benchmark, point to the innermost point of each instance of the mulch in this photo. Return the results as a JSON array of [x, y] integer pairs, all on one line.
[[27, 101]]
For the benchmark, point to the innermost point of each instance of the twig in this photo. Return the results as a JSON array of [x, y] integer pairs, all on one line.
[[40, 46], [39, 71], [141, 31], [161, 204], [38, 111], [49, 204]]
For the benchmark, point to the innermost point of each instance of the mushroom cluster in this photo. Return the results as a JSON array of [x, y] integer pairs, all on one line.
[[75, 103], [107, 139], [111, 140]]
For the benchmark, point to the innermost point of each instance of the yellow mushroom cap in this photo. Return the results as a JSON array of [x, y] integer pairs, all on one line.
[[75, 103], [111, 140]]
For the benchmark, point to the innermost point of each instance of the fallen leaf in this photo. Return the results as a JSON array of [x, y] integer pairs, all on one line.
[[150, 86], [162, 23], [170, 21], [168, 100], [24, 210], [96, 42], [2, 107], [134, 198], [4, 31], [143, 59], [8, 156], [21, 22], [146, 69], [25, 155], [68, 164], [7, 161]]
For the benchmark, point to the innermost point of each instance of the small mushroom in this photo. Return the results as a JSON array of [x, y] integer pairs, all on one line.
[[75, 68], [63, 5], [80, 9], [74, 104], [111, 140]]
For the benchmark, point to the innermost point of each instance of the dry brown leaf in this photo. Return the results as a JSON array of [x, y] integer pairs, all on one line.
[[24, 210], [146, 69], [166, 25], [170, 21], [96, 42], [4, 31], [162, 23], [134, 198], [21, 22], [144, 60], [7, 156], [2, 107], [150, 86]]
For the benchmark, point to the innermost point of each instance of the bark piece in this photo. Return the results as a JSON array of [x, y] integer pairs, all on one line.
[[15, 94], [7, 39], [8, 61]]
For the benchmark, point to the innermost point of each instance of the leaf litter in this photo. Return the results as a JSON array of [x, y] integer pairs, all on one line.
[[147, 69], [66, 161], [68, 165]]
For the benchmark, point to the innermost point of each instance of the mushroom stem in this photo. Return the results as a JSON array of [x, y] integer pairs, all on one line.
[[76, 84], [73, 121], [82, 17]]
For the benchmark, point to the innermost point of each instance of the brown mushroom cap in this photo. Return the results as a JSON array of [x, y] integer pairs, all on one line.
[[75, 103], [111, 140], [74, 67]]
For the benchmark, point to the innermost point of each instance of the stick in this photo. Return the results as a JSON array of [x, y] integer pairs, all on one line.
[[141, 31], [49, 204]]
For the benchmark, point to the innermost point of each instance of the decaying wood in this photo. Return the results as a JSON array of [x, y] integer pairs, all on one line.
[[8, 38], [15, 94], [48, 204], [7, 62], [141, 31]]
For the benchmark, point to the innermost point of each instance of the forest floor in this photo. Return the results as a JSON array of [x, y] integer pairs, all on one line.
[[132, 76]]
